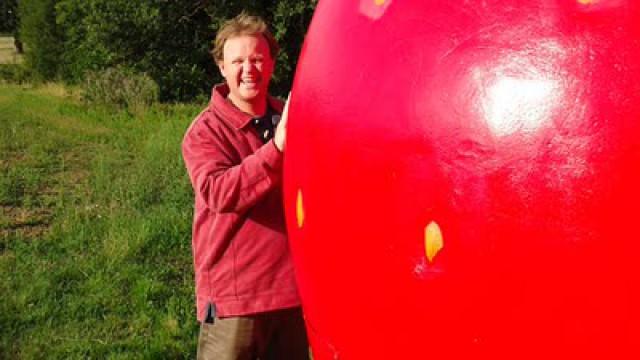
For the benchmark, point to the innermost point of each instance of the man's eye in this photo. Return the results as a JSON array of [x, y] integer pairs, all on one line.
[[236, 62]]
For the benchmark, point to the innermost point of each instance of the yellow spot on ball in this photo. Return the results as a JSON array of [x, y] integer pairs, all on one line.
[[587, 2], [300, 209], [433, 240], [379, 2]]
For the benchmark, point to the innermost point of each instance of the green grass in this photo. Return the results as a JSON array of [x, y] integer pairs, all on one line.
[[95, 248]]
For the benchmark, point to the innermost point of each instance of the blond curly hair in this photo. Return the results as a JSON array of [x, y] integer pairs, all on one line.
[[243, 24]]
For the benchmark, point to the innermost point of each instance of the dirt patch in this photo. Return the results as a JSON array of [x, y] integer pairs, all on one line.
[[29, 223], [34, 221]]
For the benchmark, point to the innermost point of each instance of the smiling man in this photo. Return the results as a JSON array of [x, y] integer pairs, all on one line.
[[247, 299]]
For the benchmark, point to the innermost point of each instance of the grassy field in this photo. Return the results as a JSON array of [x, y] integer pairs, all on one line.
[[8, 54], [95, 211]]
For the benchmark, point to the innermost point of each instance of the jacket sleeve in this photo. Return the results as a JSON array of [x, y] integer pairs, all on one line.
[[222, 185]]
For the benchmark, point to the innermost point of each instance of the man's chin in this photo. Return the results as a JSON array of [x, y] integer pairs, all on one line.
[[252, 94]]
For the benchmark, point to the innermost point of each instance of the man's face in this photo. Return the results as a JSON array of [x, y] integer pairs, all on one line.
[[247, 67]]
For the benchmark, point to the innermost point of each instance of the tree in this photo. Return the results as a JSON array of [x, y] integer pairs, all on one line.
[[38, 30], [168, 39]]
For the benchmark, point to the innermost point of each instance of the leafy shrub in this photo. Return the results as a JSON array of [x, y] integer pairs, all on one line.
[[42, 37], [15, 73], [168, 40], [120, 87]]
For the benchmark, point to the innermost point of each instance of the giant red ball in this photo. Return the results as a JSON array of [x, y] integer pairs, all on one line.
[[462, 179]]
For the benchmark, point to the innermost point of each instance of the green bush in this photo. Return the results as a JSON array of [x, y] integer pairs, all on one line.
[[42, 37], [120, 87], [15, 73], [168, 40]]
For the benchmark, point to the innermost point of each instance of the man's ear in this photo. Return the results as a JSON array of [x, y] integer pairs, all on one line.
[[221, 68]]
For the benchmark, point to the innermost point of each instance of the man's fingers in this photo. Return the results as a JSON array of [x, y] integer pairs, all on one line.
[[285, 112]]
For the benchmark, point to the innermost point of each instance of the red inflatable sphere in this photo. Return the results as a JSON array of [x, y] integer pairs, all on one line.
[[462, 179]]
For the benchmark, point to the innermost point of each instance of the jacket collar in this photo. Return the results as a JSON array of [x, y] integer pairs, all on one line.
[[221, 105]]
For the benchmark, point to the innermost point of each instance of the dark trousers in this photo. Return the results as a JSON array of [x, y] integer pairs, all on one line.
[[267, 336]]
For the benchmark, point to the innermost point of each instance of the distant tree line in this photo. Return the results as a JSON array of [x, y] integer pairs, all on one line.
[[169, 40]]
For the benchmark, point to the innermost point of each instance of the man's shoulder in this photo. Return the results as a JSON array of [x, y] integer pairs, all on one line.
[[205, 122], [204, 116]]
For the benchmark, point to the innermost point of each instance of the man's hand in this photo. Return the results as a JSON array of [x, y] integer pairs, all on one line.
[[280, 138]]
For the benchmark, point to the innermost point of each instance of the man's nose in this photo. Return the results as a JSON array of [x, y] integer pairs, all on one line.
[[247, 66]]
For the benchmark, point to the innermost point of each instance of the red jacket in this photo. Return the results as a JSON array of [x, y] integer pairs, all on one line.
[[240, 249]]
